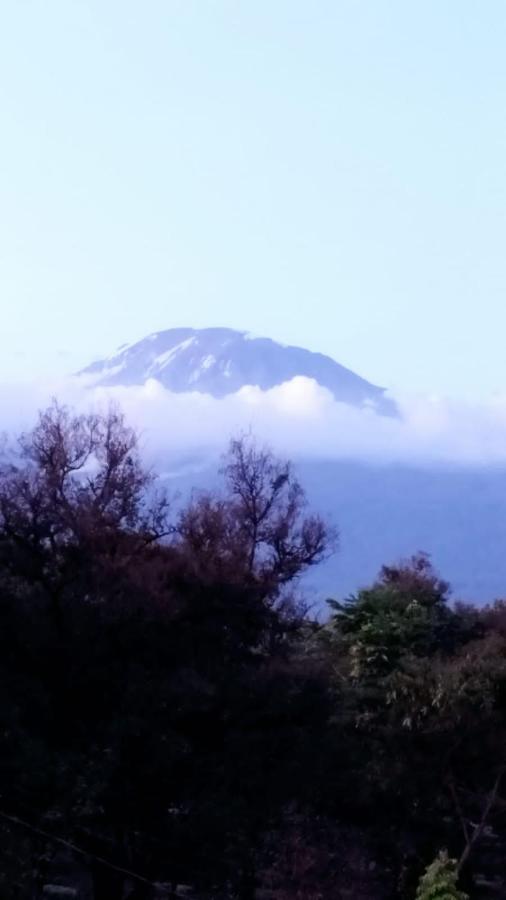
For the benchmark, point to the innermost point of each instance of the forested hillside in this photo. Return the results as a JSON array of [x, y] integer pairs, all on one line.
[[175, 723]]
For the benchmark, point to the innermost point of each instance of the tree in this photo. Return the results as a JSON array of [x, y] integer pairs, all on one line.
[[76, 500], [167, 705], [150, 709], [405, 612], [419, 692], [258, 532], [440, 881]]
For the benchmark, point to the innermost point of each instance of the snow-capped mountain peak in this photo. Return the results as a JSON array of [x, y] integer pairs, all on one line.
[[220, 361]]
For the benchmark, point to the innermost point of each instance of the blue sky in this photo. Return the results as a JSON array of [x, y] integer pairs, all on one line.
[[328, 173]]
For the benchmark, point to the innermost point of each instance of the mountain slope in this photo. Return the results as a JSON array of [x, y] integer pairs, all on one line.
[[388, 512], [220, 361]]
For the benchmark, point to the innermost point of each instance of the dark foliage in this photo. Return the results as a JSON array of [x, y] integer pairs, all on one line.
[[169, 709]]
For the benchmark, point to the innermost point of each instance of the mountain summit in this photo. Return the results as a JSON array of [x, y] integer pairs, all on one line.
[[220, 361]]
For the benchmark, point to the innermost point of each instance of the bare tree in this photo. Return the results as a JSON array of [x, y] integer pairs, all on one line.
[[78, 484], [79, 505], [259, 531]]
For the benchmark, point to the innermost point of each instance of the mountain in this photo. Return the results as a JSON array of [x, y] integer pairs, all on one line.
[[383, 512], [220, 361]]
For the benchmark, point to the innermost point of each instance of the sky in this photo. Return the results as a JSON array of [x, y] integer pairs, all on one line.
[[330, 174]]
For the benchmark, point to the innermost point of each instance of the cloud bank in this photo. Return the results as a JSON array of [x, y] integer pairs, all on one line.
[[298, 419]]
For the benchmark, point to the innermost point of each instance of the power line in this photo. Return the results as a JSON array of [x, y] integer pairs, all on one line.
[[75, 849]]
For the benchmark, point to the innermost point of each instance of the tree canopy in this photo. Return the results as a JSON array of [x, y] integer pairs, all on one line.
[[173, 719]]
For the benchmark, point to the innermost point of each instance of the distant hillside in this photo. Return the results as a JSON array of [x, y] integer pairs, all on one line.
[[385, 513], [220, 361]]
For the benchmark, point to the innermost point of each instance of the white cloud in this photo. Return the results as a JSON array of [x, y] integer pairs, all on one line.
[[298, 418]]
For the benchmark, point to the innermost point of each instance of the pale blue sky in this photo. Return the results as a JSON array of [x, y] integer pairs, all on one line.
[[330, 173]]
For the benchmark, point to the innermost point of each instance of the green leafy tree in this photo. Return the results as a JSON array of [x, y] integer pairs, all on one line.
[[405, 612], [440, 881]]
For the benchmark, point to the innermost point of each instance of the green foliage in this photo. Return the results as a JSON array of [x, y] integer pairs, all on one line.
[[440, 881], [404, 612]]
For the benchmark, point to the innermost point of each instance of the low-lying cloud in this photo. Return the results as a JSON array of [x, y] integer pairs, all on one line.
[[298, 418]]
